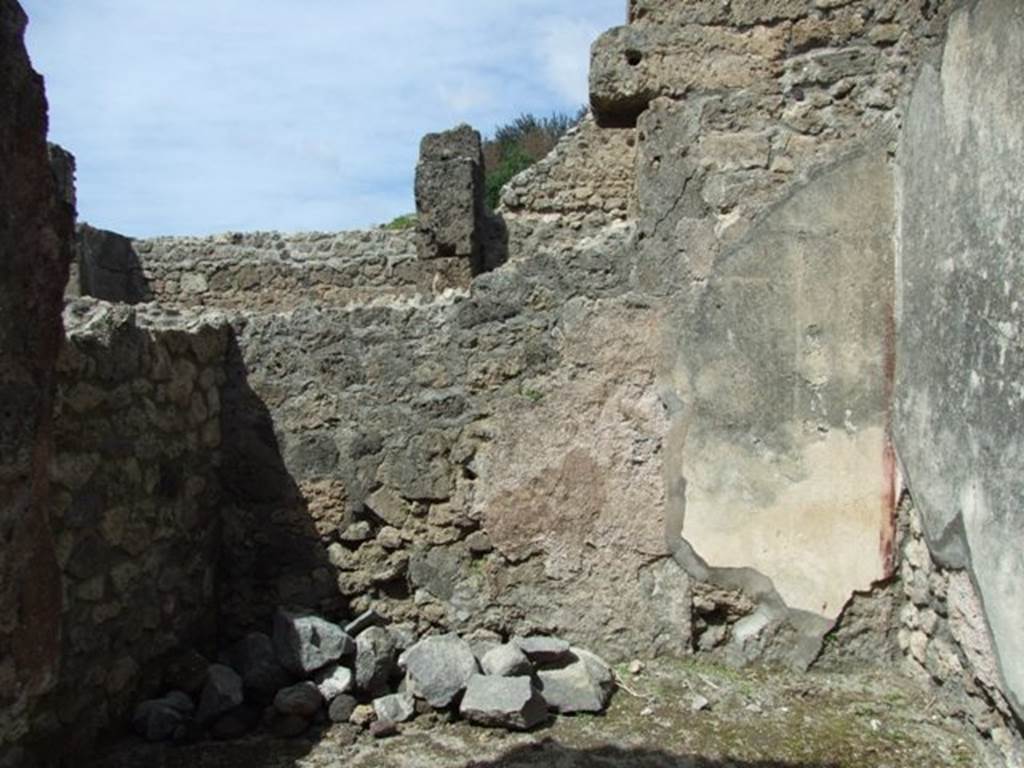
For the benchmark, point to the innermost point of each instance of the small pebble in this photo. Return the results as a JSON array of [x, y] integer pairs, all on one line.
[[636, 667], [382, 729], [699, 704]]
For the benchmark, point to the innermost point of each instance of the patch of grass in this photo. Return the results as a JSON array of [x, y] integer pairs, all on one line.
[[533, 395], [406, 221]]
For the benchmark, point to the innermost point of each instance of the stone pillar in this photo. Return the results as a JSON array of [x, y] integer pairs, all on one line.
[[450, 204]]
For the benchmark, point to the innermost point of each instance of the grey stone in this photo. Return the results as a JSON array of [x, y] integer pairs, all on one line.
[[305, 643], [582, 686], [506, 660], [396, 707], [160, 719], [450, 195], [341, 709], [222, 693], [365, 620], [503, 702], [482, 642], [388, 506], [438, 668], [357, 532], [383, 729], [256, 661], [302, 699], [333, 680], [375, 660], [543, 650]]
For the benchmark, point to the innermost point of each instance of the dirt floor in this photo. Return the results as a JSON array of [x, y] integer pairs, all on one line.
[[751, 719]]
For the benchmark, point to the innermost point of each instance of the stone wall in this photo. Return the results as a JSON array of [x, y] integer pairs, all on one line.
[[960, 367], [134, 507], [263, 270], [944, 634], [764, 219], [36, 222]]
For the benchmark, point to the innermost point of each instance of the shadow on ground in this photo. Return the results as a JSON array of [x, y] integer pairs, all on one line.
[[551, 754]]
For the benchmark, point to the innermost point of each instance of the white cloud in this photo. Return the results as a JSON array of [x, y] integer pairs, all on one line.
[[207, 115]]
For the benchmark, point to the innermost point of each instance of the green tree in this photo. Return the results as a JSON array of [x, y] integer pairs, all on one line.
[[517, 145]]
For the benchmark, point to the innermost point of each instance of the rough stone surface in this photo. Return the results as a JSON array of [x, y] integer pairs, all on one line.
[[222, 693], [341, 709], [375, 660], [543, 650], [450, 196], [108, 267], [507, 660], [160, 719], [334, 680], [438, 668], [36, 225], [256, 661], [959, 399], [584, 685], [503, 702], [303, 699], [306, 643], [394, 708]]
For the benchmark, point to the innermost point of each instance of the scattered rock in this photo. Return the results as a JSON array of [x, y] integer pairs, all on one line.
[[383, 729], [262, 674], [699, 703], [438, 668], [302, 699], [482, 641], [544, 650], [581, 686], [396, 708], [305, 643], [159, 719], [187, 672], [363, 621], [221, 694], [341, 708], [375, 660], [503, 702], [636, 667], [600, 671], [506, 661], [363, 715], [479, 543], [333, 680], [357, 533]]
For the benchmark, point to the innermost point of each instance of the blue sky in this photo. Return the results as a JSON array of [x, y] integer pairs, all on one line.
[[201, 116]]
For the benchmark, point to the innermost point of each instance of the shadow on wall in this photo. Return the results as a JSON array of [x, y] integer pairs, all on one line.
[[271, 553], [107, 267]]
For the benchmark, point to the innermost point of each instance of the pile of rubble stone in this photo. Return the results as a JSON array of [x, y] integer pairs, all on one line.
[[313, 671]]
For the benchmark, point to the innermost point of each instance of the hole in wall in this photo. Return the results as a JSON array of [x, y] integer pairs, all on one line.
[[634, 57]]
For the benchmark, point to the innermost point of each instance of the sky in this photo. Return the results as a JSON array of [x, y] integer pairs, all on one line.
[[205, 116]]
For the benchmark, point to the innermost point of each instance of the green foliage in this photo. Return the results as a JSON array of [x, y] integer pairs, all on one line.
[[407, 221], [519, 144], [513, 161]]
